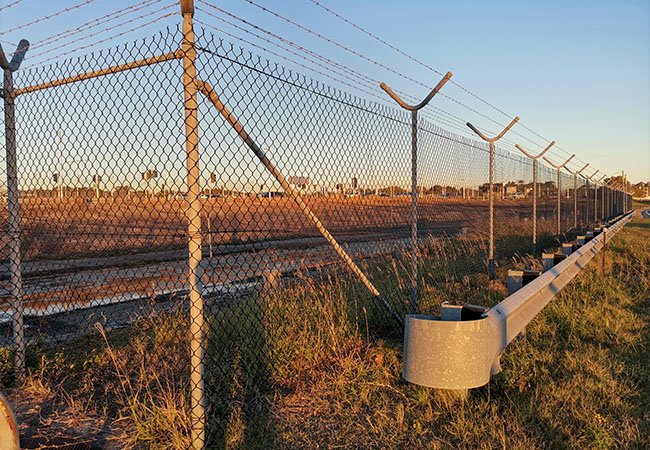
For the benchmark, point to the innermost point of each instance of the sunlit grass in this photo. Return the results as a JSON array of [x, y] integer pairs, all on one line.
[[306, 365]]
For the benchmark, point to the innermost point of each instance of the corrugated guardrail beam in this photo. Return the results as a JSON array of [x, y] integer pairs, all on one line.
[[462, 354]]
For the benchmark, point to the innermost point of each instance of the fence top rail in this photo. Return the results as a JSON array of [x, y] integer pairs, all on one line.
[[178, 54]]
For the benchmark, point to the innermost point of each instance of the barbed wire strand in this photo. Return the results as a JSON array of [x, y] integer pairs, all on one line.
[[10, 5], [48, 17], [94, 23], [423, 64], [373, 82], [343, 47], [366, 81], [366, 58], [101, 41], [105, 30]]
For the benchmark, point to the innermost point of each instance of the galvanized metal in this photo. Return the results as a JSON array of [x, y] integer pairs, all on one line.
[[13, 209], [491, 141], [549, 260], [210, 93], [591, 177], [535, 158], [197, 389], [520, 278], [424, 102], [9, 435], [414, 211], [414, 176], [102, 72], [559, 190], [463, 354], [575, 193]]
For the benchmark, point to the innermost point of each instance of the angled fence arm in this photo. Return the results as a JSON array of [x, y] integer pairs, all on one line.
[[16, 59], [414, 177], [535, 158], [424, 102], [491, 141], [13, 207], [207, 90]]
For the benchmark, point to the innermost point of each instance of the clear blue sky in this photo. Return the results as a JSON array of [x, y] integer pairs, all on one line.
[[577, 72]]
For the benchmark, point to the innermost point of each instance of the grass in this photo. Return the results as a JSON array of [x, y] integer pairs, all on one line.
[[304, 366]]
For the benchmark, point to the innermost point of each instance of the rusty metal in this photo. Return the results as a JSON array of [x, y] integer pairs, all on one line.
[[535, 158], [491, 141], [414, 175]]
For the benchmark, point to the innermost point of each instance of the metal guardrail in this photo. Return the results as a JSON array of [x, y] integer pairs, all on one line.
[[462, 351]]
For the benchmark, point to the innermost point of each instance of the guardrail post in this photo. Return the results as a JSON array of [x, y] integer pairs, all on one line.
[[197, 389], [414, 177], [13, 209], [535, 158], [559, 189], [491, 141]]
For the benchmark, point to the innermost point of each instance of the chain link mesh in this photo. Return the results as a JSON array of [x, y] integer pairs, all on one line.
[[104, 200]]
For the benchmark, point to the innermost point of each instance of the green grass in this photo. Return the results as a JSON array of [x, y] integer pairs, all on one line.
[[312, 365]]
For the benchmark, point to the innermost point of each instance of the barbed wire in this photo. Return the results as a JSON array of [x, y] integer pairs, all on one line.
[[10, 5], [458, 102], [101, 41], [83, 38], [288, 42], [366, 58], [366, 81], [288, 59], [95, 22], [421, 63], [48, 17]]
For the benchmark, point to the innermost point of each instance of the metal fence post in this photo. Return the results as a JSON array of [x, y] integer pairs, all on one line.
[[414, 177], [559, 189], [491, 141], [575, 193], [602, 202], [624, 192], [535, 158], [591, 177], [13, 209], [197, 390]]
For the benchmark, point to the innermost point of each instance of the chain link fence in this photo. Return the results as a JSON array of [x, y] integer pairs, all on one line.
[[102, 176]]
